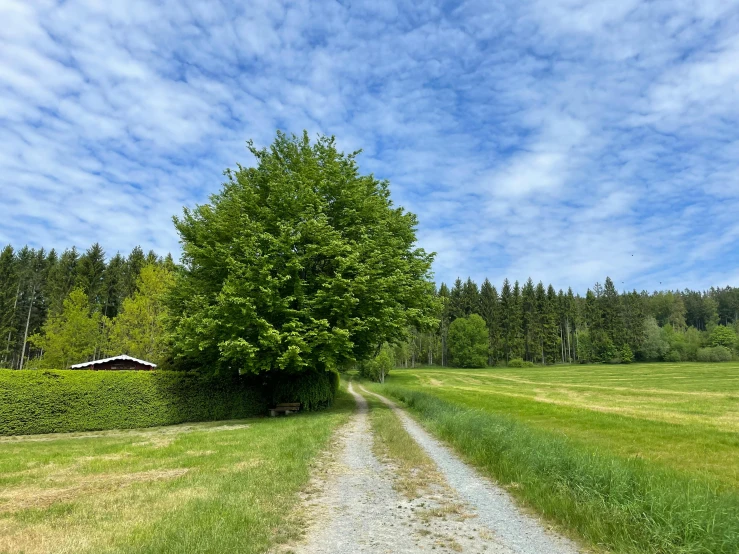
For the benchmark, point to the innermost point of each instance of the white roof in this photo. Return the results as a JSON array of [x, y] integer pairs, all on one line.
[[114, 358]]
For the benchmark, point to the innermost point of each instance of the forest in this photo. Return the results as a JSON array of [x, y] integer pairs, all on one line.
[[534, 323], [76, 304], [42, 292]]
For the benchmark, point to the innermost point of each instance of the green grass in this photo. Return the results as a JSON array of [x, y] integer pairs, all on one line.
[[205, 487], [640, 458]]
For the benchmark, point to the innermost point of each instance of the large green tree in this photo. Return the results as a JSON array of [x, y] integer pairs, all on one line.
[[468, 342], [300, 263], [140, 329]]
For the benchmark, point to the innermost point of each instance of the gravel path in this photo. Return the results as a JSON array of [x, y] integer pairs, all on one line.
[[358, 511], [494, 507]]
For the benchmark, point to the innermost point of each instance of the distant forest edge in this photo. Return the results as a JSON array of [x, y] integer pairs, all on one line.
[[539, 324], [66, 303], [58, 309]]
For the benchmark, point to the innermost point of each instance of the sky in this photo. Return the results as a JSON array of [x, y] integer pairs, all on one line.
[[563, 140]]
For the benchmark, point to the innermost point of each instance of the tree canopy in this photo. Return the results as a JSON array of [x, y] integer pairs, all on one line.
[[468, 339], [298, 263]]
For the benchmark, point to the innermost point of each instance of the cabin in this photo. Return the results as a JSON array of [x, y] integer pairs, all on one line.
[[117, 363]]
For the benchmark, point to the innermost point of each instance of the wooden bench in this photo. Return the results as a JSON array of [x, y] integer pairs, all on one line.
[[286, 408]]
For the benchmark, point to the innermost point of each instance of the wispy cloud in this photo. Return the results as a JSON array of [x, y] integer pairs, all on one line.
[[561, 139]]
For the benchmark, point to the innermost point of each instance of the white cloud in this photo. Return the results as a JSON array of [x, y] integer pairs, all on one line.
[[564, 140]]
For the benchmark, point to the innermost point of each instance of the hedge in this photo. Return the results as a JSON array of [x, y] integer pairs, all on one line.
[[35, 401]]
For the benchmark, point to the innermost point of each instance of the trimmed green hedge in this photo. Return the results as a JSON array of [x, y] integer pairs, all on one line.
[[35, 401]]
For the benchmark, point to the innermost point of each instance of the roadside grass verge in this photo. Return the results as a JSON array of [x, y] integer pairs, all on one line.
[[227, 486], [625, 505]]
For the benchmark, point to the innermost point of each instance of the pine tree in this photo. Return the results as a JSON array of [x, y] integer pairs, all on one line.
[[489, 312], [550, 327], [61, 280], [113, 283], [31, 305], [517, 344], [90, 273], [456, 302], [470, 298], [135, 261], [529, 320], [9, 290], [612, 313], [444, 322], [507, 331]]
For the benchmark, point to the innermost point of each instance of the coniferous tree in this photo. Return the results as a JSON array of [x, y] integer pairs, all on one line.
[[135, 261], [529, 320], [62, 278], [612, 314], [113, 283], [550, 327], [444, 321], [456, 300], [90, 274], [470, 298], [9, 291], [489, 312], [507, 321], [517, 346]]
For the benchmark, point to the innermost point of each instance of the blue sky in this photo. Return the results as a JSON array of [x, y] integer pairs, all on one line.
[[558, 139]]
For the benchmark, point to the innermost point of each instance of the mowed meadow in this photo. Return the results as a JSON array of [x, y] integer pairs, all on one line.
[[225, 486], [685, 416], [631, 458]]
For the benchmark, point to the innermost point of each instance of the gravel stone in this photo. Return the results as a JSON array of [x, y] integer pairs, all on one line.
[[357, 510]]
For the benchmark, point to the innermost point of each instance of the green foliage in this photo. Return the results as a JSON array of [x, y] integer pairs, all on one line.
[[714, 354], [673, 356], [71, 336], [380, 366], [654, 346], [518, 362], [623, 505], [300, 262], [722, 336], [313, 389], [33, 401], [627, 356], [140, 329], [468, 342]]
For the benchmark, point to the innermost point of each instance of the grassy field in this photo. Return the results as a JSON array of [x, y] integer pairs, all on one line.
[[209, 487], [683, 416], [640, 458]]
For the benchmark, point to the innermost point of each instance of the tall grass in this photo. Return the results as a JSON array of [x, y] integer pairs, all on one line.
[[626, 505]]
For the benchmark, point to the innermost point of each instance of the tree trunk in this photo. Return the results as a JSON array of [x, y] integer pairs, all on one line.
[[542, 353], [28, 322], [15, 306], [562, 343]]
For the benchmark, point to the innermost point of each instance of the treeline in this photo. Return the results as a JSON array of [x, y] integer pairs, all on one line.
[[43, 292], [538, 324]]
